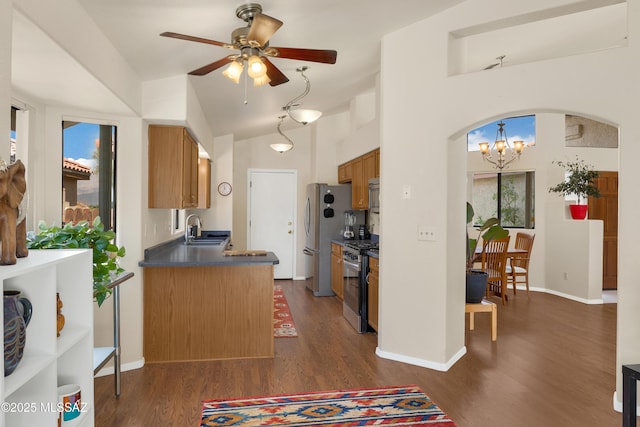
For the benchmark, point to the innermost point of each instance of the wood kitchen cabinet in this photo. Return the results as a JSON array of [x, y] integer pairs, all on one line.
[[204, 183], [337, 271], [358, 172], [372, 293], [173, 168], [345, 173]]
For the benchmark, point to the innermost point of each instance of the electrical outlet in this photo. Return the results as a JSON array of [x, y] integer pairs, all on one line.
[[427, 233]]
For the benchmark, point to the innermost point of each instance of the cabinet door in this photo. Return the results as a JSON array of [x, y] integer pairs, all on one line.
[[377, 152], [359, 192], [173, 168], [345, 173], [372, 293], [337, 268], [190, 159]]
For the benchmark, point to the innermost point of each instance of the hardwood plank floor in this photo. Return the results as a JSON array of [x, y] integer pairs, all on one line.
[[553, 364]]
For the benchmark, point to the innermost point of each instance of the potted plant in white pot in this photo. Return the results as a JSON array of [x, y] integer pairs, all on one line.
[[580, 183], [476, 280]]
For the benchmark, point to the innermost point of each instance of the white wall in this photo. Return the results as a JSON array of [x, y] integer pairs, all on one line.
[[421, 110]]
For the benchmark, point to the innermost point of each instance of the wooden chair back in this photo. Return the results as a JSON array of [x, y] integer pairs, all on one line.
[[494, 263], [523, 241]]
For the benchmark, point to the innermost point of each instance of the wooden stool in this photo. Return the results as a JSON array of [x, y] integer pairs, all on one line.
[[484, 306]]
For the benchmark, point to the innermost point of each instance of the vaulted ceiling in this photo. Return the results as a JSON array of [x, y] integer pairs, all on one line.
[[353, 28]]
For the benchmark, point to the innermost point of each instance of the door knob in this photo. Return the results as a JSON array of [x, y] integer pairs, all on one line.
[[289, 231]]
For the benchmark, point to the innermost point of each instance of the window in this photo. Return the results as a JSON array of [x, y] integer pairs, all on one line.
[[522, 128], [88, 172], [506, 196]]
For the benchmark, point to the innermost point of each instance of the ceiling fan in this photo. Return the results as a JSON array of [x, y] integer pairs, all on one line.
[[253, 43]]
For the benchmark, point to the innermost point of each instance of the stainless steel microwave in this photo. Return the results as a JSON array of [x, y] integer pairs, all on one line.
[[374, 195]]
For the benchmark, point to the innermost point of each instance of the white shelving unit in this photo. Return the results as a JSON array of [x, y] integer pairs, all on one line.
[[29, 394]]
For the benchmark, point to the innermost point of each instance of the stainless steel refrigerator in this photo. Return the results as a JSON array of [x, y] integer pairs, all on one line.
[[324, 220]]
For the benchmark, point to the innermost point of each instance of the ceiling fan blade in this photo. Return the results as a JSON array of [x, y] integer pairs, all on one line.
[[196, 39], [262, 28], [313, 55], [213, 66], [276, 76]]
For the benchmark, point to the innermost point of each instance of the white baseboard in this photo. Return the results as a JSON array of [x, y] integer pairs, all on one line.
[[109, 370], [561, 294], [617, 404], [422, 362]]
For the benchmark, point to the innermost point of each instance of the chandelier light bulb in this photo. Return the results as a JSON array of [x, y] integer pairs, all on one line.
[[257, 68], [234, 71], [304, 116], [261, 81]]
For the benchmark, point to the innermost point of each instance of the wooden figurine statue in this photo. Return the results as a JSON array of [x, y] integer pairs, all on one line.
[[13, 224]]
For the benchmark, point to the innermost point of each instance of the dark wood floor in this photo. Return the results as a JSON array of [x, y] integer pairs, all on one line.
[[553, 365]]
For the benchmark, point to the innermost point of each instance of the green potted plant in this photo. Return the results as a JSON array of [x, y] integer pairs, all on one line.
[[580, 183], [82, 235], [476, 280]]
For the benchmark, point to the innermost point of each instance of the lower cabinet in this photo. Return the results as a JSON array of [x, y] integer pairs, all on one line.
[[337, 275], [372, 293], [29, 393]]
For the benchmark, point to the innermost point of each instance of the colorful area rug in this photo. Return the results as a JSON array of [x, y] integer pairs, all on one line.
[[390, 406], [283, 325]]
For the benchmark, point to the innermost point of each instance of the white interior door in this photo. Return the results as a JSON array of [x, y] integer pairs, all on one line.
[[272, 207]]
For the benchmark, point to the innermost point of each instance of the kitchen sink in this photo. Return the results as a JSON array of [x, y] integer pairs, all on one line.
[[211, 238], [211, 241]]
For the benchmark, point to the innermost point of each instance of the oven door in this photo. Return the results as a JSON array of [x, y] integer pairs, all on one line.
[[351, 294]]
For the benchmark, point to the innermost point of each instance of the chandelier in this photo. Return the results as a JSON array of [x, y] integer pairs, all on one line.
[[500, 154], [298, 115], [282, 147]]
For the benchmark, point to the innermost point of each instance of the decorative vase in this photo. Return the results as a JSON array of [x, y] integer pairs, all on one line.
[[578, 211], [60, 316], [476, 285], [17, 314]]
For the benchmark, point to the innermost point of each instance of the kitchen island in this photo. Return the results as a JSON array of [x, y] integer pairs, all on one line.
[[200, 304]]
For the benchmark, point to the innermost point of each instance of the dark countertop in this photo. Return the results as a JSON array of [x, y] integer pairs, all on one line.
[[175, 254]]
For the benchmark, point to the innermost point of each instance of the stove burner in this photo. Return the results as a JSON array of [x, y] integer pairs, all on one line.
[[361, 245]]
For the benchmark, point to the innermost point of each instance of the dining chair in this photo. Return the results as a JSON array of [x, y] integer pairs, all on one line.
[[519, 264], [494, 263]]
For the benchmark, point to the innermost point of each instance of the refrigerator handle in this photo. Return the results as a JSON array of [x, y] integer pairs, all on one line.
[[307, 216], [309, 251]]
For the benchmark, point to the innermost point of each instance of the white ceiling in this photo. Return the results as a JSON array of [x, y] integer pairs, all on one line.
[[353, 28]]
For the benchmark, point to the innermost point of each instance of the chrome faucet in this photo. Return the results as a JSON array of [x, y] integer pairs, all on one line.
[[187, 230]]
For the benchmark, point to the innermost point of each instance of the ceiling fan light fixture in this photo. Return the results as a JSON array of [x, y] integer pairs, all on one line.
[[303, 116], [261, 81], [234, 71], [256, 68]]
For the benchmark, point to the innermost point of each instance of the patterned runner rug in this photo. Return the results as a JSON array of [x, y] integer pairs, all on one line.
[[389, 406], [283, 325]]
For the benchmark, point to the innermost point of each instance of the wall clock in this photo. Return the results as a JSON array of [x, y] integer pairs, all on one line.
[[224, 188]]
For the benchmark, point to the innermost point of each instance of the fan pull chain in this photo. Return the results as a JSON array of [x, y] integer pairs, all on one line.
[[246, 78]]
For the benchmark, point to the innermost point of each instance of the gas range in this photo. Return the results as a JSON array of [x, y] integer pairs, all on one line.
[[357, 247], [356, 269]]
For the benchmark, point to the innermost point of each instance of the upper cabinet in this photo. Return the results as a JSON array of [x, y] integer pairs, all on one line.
[[173, 168], [358, 172]]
